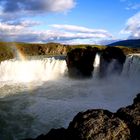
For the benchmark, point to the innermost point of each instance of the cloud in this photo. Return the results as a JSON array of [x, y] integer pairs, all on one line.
[[133, 6], [77, 28], [10, 9], [24, 23], [37, 5], [97, 33], [25, 33], [133, 27]]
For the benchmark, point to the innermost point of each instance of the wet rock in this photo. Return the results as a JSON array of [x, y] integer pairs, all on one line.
[[80, 62], [112, 60], [131, 116]]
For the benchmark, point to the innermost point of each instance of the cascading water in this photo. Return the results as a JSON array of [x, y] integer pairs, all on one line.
[[96, 65], [132, 66], [31, 70], [28, 109]]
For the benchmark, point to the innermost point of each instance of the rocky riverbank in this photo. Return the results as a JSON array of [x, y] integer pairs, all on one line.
[[99, 124]]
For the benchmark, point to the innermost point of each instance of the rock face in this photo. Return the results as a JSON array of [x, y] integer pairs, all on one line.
[[131, 116], [80, 62], [99, 124], [112, 60]]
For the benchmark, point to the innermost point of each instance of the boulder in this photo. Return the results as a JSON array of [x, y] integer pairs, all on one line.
[[131, 116], [80, 62], [111, 62], [98, 125]]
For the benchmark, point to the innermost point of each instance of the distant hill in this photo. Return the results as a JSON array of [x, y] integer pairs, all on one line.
[[134, 43]]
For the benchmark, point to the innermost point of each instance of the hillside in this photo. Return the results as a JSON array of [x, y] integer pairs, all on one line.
[[134, 43], [8, 49]]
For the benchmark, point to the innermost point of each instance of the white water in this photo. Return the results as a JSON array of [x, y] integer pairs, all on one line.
[[15, 71], [132, 66], [36, 95]]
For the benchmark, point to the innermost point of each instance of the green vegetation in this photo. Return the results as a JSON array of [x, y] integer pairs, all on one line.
[[8, 49], [6, 52], [128, 50]]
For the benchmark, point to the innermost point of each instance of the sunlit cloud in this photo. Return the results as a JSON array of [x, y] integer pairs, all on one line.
[[133, 27]]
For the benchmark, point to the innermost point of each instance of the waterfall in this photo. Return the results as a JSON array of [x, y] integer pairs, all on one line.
[[45, 69], [96, 65], [131, 67], [31, 70]]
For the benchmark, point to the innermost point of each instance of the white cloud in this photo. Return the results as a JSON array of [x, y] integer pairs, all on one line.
[[133, 27], [97, 33], [23, 32], [77, 28]]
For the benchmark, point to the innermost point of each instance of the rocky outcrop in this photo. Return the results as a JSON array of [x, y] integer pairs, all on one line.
[[80, 62], [112, 60], [99, 124], [131, 116]]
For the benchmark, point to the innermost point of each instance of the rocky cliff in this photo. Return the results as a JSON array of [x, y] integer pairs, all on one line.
[[112, 60], [80, 61]]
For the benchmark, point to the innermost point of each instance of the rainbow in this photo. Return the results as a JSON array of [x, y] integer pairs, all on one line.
[[18, 52]]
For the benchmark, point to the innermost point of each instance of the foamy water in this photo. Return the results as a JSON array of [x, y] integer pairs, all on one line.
[[29, 107]]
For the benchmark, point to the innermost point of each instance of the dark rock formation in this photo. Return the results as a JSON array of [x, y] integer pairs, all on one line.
[[80, 62], [112, 60], [131, 116], [98, 124]]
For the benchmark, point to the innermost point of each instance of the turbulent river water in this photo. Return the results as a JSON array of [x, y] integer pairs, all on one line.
[[37, 95]]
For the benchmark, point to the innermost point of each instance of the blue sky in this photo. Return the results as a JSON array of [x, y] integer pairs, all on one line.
[[69, 21]]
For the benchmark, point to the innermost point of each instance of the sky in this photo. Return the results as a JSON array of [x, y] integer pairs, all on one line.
[[69, 21]]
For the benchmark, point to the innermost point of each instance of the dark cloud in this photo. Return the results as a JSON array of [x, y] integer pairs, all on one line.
[[36, 5]]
